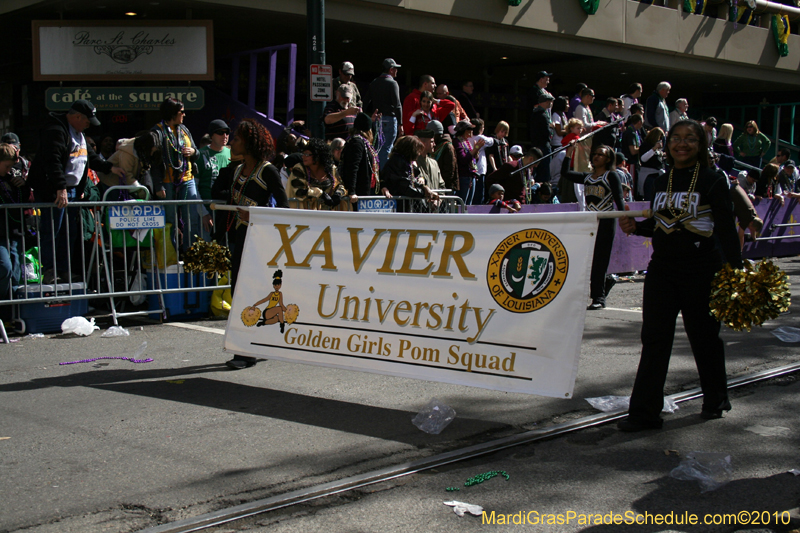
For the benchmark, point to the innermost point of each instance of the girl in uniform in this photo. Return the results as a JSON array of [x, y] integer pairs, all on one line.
[[693, 233], [603, 190]]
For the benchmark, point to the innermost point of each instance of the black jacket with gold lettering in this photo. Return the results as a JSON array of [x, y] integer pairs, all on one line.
[[700, 226]]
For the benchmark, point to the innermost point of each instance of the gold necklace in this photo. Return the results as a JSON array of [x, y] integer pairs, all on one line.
[[682, 207]]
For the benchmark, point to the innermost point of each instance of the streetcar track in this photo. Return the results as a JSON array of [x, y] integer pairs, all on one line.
[[239, 512]]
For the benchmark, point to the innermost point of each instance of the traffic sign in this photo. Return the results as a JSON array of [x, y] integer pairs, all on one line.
[[135, 216], [321, 79]]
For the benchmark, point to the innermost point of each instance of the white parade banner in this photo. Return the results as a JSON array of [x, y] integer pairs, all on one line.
[[491, 301]]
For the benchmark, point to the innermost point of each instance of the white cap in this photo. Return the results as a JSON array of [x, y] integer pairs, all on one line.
[[515, 150]]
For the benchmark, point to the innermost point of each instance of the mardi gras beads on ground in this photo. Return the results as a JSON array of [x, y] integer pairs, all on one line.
[[742, 298]]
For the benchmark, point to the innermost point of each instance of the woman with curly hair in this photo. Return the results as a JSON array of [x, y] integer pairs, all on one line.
[[315, 183], [256, 182]]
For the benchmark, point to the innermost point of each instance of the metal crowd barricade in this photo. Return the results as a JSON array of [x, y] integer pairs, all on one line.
[[102, 266], [105, 263], [447, 203]]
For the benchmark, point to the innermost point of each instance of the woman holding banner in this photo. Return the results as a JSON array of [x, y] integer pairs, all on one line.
[[693, 233], [603, 190], [256, 182]]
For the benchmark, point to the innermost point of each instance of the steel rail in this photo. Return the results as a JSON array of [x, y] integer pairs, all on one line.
[[295, 497]]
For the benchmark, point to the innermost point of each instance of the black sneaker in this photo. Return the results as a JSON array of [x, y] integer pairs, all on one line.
[[713, 414], [240, 361], [596, 305], [629, 426]]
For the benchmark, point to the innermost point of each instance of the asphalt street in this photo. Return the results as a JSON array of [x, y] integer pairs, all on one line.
[[118, 446]]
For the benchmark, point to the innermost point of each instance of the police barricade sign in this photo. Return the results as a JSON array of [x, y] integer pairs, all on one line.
[[497, 302], [136, 216], [377, 205]]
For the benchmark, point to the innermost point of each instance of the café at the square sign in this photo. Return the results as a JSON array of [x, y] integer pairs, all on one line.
[[70, 50], [124, 98]]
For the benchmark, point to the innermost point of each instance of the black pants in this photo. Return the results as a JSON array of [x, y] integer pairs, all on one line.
[[236, 254], [668, 290], [606, 230]]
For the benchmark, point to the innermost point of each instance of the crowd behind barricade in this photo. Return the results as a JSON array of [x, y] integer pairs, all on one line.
[[425, 145]]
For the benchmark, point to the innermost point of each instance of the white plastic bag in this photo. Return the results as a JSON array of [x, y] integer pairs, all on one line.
[[710, 469], [787, 334], [622, 403], [79, 326], [136, 285], [460, 508], [115, 331], [434, 417]]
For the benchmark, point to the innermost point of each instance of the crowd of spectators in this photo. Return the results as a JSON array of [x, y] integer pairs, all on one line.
[[424, 145]]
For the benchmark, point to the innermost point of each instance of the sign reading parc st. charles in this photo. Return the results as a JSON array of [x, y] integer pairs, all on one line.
[[117, 50], [124, 98]]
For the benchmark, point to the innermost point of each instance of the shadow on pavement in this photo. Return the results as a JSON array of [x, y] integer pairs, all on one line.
[[370, 421]]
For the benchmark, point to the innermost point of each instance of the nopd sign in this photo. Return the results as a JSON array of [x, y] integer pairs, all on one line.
[[124, 98], [135, 216]]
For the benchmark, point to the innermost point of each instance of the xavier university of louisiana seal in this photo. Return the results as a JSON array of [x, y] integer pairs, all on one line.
[[527, 270]]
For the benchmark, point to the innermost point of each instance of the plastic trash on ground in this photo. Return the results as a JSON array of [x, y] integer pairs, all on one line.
[[460, 508], [787, 334], [622, 403], [115, 331], [34, 336], [79, 326], [769, 431], [140, 350], [710, 469], [434, 417]]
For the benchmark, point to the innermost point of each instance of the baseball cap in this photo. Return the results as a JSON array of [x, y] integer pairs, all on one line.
[[348, 68], [216, 125], [435, 126], [543, 74], [10, 138], [389, 63], [546, 98], [87, 108], [516, 150], [464, 125], [790, 163]]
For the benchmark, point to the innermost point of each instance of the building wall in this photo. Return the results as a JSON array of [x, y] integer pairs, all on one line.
[[625, 29]]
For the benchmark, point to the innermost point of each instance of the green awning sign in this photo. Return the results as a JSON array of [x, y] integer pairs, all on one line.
[[124, 98]]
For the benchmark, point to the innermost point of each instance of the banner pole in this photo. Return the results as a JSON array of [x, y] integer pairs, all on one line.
[[644, 213], [554, 152]]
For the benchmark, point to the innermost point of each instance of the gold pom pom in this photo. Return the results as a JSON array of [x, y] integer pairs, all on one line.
[[742, 298], [250, 316], [292, 311], [208, 257]]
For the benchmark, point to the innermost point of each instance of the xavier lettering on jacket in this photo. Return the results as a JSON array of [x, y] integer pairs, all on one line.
[[416, 253], [678, 199]]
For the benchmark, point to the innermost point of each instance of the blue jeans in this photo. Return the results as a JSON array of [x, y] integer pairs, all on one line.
[[9, 266], [466, 189], [478, 186], [388, 126], [191, 220], [64, 220]]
